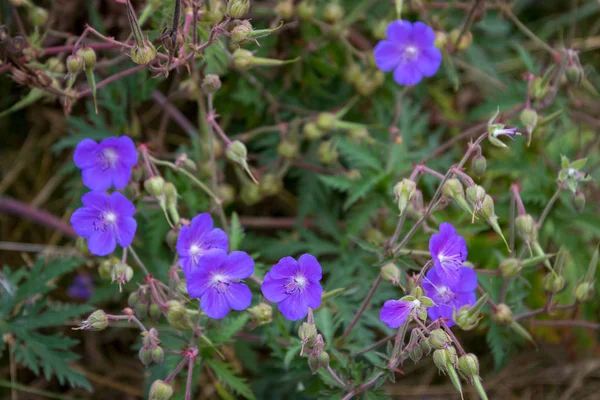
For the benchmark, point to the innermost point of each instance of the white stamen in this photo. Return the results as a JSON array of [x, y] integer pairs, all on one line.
[[194, 250], [110, 155], [416, 303], [410, 52], [110, 217], [300, 281]]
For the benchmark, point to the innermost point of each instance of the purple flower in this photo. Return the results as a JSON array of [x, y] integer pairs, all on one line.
[[106, 163], [448, 250], [409, 51], [194, 241], [395, 312], [294, 285], [448, 296], [216, 282], [82, 287], [105, 221]]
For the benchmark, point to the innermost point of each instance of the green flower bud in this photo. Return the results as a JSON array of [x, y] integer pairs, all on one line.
[[237, 152], [391, 273], [307, 332], [141, 310], [465, 41], [380, 30], [145, 355], [242, 59], [529, 118], [353, 74], [238, 8], [426, 346], [287, 148], [323, 359], [177, 315], [326, 121], [171, 194], [155, 186], [81, 246], [468, 365], [172, 40], [105, 269], [359, 135], [133, 299], [38, 16], [261, 314], [250, 194], [466, 318], [538, 88], [240, 33], [313, 363], [503, 315], [285, 9], [160, 390], [327, 152], [306, 10], [438, 339], [476, 195], [510, 267], [270, 185], [333, 12], [158, 355], [211, 84], [584, 292], [403, 192], [575, 74], [88, 56], [312, 131], [154, 311], [55, 65], [478, 165], [579, 201], [226, 192], [526, 228], [172, 237], [97, 321], [122, 273], [74, 64], [416, 353], [143, 54], [553, 283], [441, 39], [441, 359]]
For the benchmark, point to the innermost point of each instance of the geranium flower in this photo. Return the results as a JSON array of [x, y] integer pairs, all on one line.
[[294, 285], [106, 163], [449, 295], [216, 282], [105, 221], [394, 312], [197, 239], [409, 51], [448, 250]]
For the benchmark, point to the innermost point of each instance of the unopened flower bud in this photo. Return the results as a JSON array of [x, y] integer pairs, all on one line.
[[529, 118], [579, 201], [158, 355], [333, 12], [133, 299], [88, 56], [390, 273], [403, 192], [155, 186], [288, 148], [145, 356], [584, 292], [177, 315], [250, 194], [323, 359], [38, 16], [438, 339], [285, 9], [242, 59], [425, 346], [172, 237], [510, 267], [306, 10], [226, 192], [478, 165], [211, 84], [106, 267], [172, 40], [141, 310], [154, 311], [313, 362], [503, 315], [575, 74], [240, 33], [441, 39], [270, 185], [526, 228], [122, 273], [160, 390], [82, 246], [326, 121], [465, 40], [97, 321], [238, 8], [143, 54], [327, 152], [171, 194], [74, 64], [538, 88], [307, 332], [262, 313], [553, 283], [237, 152], [312, 131], [442, 358], [476, 195], [468, 365], [416, 353]]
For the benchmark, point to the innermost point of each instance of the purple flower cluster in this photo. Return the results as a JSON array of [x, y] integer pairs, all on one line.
[[410, 51], [104, 219], [449, 284]]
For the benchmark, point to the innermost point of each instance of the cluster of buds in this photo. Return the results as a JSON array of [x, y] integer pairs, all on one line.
[[444, 356], [554, 281], [318, 358], [166, 194], [365, 82], [141, 302], [151, 352]]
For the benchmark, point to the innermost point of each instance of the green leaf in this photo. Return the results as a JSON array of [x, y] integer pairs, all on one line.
[[228, 378], [33, 96], [360, 156], [340, 183], [231, 326], [363, 189], [525, 57]]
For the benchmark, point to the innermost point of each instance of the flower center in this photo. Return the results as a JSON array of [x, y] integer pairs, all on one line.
[[296, 284], [445, 294], [416, 303], [108, 158], [220, 283], [572, 171], [105, 220], [410, 53], [452, 261]]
